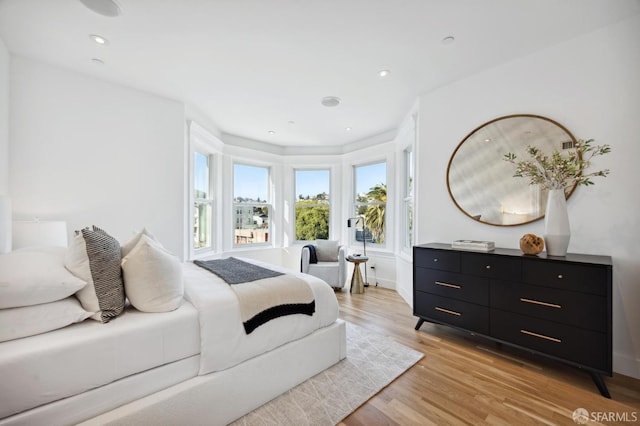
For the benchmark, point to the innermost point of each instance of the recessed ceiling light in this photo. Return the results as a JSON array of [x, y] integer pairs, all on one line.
[[383, 73], [272, 132], [103, 7], [97, 61], [330, 101], [448, 40], [291, 122], [348, 129], [99, 39]]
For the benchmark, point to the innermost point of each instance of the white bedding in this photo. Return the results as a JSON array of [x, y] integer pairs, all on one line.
[[224, 342], [47, 367]]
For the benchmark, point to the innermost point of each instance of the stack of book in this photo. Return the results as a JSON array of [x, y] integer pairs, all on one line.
[[473, 245], [358, 257]]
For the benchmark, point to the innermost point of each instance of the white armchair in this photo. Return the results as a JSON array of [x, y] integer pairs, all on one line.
[[331, 263]]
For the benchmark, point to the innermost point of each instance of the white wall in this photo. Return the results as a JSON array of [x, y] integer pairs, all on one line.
[[91, 152], [4, 118], [590, 85]]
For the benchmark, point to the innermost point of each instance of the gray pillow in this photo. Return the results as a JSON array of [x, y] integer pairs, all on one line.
[[327, 250]]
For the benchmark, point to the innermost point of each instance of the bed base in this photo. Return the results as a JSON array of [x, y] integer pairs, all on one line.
[[224, 396], [171, 395]]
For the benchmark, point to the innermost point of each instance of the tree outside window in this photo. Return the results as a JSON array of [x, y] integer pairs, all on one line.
[[312, 208]]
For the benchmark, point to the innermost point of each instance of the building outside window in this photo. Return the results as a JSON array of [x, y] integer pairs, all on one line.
[[202, 201], [312, 207], [251, 204], [370, 201]]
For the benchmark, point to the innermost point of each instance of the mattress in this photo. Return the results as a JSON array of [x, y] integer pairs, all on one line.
[[224, 342], [47, 367]]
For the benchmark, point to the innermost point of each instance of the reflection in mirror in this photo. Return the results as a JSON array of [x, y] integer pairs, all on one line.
[[482, 185]]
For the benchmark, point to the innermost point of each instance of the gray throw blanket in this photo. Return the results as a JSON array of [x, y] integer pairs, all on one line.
[[236, 271], [262, 294], [313, 257]]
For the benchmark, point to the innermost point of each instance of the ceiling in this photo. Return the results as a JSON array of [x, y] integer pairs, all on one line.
[[258, 69]]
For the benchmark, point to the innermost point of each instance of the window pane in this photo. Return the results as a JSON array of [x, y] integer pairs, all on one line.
[[371, 200], [408, 217], [409, 168], [202, 225], [201, 176], [250, 184], [251, 224], [367, 177], [312, 204]]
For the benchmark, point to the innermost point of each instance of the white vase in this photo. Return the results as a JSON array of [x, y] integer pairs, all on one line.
[[556, 224]]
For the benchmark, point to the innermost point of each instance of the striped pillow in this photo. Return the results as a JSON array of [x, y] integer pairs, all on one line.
[[94, 256]]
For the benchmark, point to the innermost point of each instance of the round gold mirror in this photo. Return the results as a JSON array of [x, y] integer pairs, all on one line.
[[481, 183]]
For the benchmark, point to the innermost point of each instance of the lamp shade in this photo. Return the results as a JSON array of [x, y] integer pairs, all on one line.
[[5, 224], [30, 233]]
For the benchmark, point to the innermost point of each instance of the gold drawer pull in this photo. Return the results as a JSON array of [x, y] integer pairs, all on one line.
[[541, 336], [537, 302], [446, 311], [447, 284], [488, 267], [560, 276]]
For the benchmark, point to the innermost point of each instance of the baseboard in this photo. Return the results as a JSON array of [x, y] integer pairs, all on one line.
[[626, 365], [407, 296], [382, 283]]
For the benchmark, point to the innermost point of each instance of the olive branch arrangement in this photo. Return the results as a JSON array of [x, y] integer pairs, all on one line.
[[558, 171]]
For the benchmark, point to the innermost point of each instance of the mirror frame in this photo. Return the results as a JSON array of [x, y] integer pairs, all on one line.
[[568, 191]]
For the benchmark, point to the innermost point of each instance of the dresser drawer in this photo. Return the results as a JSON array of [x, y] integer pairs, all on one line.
[[573, 344], [453, 285], [583, 278], [491, 266], [454, 312], [578, 309], [442, 260]]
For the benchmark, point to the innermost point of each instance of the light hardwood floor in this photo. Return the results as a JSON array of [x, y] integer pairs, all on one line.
[[464, 379]]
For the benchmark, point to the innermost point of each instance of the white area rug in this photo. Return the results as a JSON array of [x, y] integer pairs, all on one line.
[[373, 361]]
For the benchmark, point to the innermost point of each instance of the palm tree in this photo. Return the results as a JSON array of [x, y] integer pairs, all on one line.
[[375, 214]]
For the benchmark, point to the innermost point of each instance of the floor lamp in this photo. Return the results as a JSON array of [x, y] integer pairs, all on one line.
[[364, 242]]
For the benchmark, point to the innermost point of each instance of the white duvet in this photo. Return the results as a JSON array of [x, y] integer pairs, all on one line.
[[223, 341]]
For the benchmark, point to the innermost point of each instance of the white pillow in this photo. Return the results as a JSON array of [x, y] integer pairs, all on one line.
[[129, 245], [327, 250], [30, 320], [35, 275], [152, 277], [95, 257]]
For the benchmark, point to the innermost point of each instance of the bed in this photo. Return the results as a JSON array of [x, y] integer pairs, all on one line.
[[192, 365]]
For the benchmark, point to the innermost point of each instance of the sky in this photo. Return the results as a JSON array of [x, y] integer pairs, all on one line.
[[312, 182], [369, 176], [252, 182], [201, 170]]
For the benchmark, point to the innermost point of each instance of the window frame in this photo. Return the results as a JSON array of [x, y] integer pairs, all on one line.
[[356, 204], [408, 200], [295, 200], [253, 204], [204, 201], [202, 141]]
